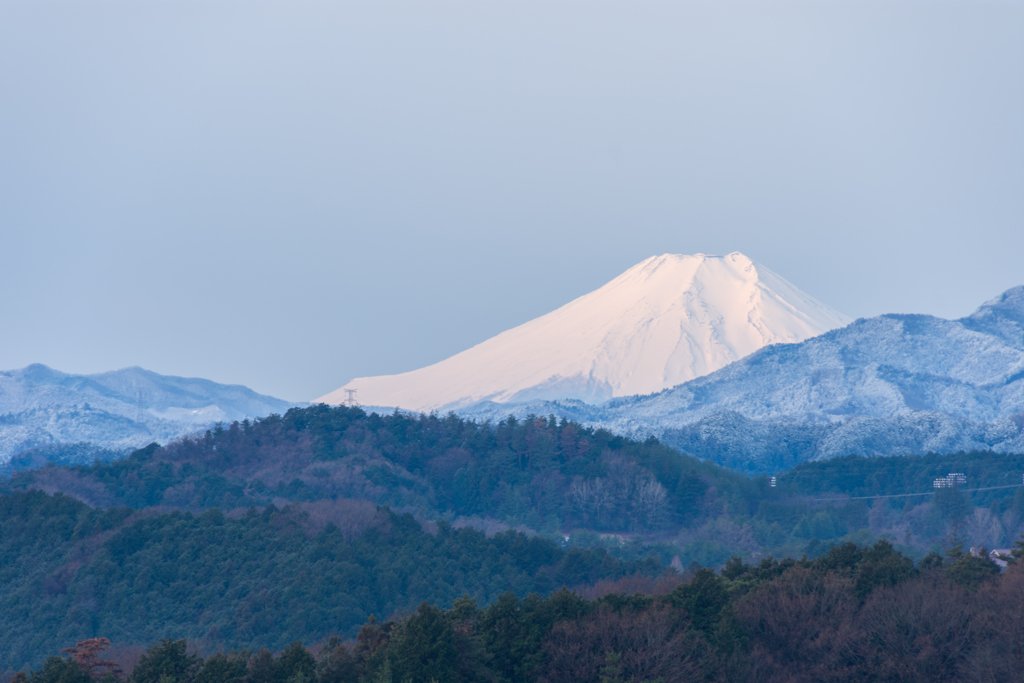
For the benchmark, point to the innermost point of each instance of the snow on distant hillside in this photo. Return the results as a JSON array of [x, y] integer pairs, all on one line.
[[667, 320], [41, 407], [890, 385]]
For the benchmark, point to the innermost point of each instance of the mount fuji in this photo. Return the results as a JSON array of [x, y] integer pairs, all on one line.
[[665, 321]]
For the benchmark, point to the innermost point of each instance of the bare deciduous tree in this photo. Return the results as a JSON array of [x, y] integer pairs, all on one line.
[[984, 529], [652, 501], [591, 498]]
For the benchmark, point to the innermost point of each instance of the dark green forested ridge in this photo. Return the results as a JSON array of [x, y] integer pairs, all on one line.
[[518, 471], [261, 579], [556, 478]]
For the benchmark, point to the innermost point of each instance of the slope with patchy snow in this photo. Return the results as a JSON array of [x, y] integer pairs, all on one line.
[[665, 321], [41, 408], [890, 385]]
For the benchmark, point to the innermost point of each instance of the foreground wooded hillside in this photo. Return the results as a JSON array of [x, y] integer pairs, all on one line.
[[854, 614]]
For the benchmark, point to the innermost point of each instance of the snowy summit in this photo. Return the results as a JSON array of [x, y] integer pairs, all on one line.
[[666, 320]]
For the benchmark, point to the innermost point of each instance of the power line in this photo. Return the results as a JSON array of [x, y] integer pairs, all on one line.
[[892, 467], [906, 495]]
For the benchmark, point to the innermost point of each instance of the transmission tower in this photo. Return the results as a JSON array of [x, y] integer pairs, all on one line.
[[351, 401]]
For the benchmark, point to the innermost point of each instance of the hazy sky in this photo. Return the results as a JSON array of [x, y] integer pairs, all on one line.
[[288, 195]]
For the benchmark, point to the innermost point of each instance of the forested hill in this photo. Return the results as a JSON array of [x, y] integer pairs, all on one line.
[[558, 479], [70, 572], [544, 474]]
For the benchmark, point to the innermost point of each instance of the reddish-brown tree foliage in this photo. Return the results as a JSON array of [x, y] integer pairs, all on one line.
[[803, 624], [635, 584], [86, 654]]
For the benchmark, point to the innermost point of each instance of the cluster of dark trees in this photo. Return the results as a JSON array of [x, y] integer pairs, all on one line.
[[854, 614]]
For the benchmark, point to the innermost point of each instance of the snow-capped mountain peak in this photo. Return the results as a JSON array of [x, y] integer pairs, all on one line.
[[666, 320]]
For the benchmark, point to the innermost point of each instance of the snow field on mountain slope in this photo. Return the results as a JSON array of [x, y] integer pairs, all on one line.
[[667, 320]]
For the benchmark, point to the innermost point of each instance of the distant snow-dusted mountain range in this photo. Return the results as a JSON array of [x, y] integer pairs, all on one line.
[[889, 385], [723, 359], [114, 411]]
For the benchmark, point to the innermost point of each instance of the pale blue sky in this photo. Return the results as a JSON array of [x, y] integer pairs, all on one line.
[[291, 194]]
